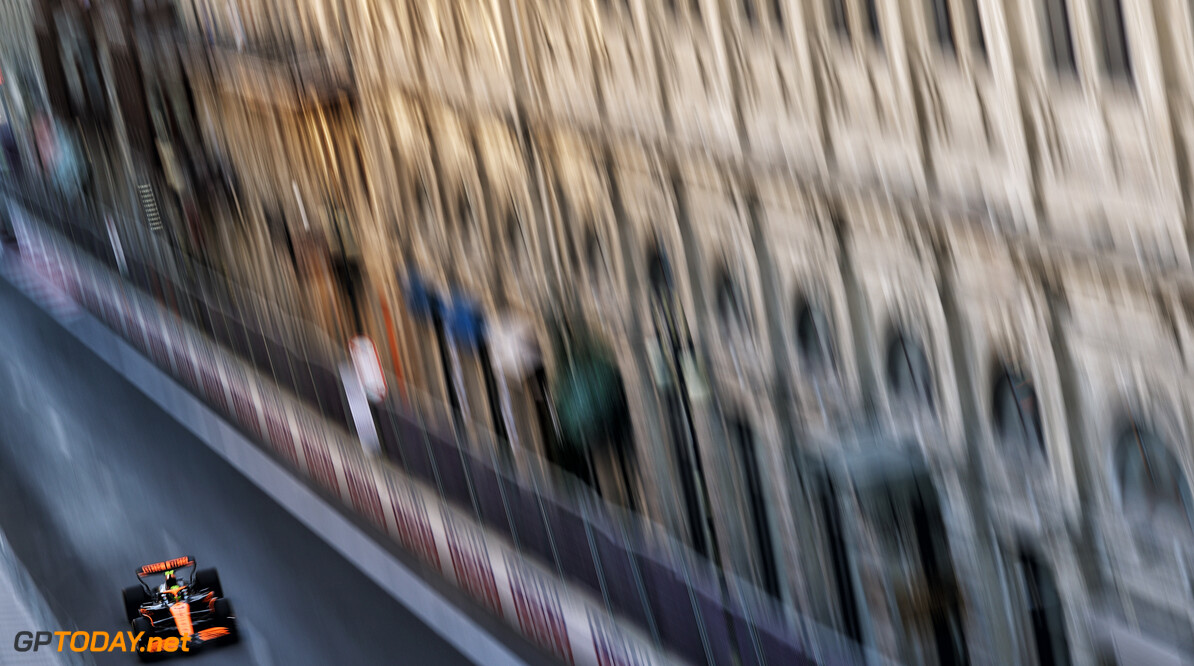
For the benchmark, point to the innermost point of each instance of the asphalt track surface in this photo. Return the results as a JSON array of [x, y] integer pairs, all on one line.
[[96, 480]]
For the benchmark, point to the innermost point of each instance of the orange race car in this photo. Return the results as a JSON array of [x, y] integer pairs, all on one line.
[[182, 613]]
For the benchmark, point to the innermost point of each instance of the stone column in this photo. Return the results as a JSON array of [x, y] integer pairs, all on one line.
[[986, 590]]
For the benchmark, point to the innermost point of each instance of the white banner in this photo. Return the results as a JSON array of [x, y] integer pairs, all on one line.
[[368, 368], [355, 394]]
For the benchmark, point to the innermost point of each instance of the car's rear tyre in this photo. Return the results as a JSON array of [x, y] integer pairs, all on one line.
[[227, 618], [133, 598], [208, 579], [143, 627]]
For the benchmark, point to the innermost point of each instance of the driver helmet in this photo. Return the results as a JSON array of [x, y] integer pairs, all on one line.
[[171, 587]]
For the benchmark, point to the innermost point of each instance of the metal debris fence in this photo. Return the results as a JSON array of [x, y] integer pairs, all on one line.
[[640, 572]]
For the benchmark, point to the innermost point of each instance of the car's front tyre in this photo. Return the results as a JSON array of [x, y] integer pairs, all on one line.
[[208, 579], [133, 598], [225, 617], [142, 626]]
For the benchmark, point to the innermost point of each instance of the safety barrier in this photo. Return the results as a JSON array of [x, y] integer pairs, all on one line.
[[547, 610], [539, 559]]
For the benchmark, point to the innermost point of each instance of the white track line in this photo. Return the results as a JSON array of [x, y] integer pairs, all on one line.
[[420, 598]]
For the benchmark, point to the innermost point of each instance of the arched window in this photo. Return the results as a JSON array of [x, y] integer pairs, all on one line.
[[425, 223], [594, 255], [420, 197], [565, 206], [1151, 478], [743, 447], [467, 215], [516, 244], [908, 371], [1117, 60], [659, 274], [748, 11], [874, 23], [839, 18], [813, 341], [731, 305], [1058, 36], [1042, 603], [666, 314], [1016, 412]]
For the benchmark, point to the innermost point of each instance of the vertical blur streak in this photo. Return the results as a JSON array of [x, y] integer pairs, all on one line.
[[392, 340], [923, 330]]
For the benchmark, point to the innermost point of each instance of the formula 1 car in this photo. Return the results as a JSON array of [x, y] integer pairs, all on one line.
[[191, 609]]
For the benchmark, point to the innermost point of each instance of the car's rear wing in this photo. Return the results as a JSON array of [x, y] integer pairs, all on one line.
[[168, 565]]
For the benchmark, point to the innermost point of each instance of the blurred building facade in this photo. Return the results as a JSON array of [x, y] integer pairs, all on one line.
[[899, 291], [21, 86]]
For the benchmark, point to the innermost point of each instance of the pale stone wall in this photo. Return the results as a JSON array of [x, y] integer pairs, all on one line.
[[928, 166]]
